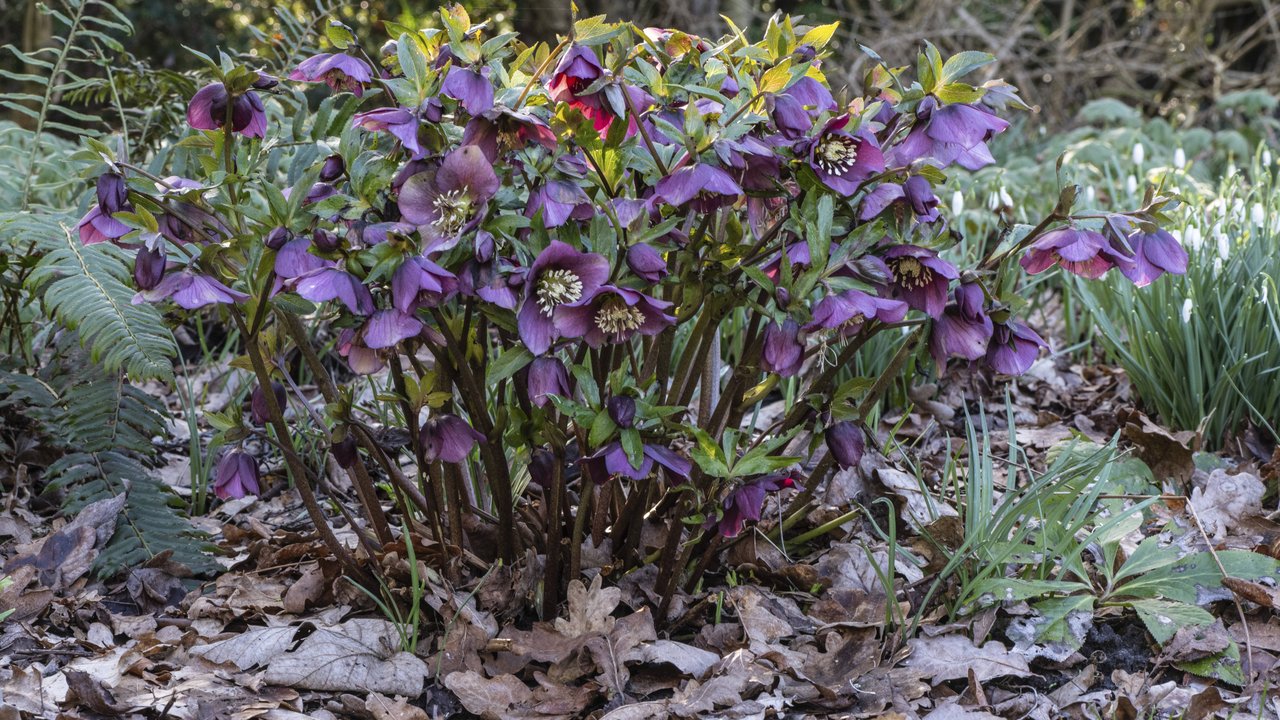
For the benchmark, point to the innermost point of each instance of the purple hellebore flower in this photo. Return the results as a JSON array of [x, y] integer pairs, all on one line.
[[237, 475], [449, 201], [330, 283], [448, 438], [208, 111], [795, 109], [1083, 252], [706, 186], [546, 376], [186, 223], [259, 412], [332, 169], [577, 70], [845, 443], [345, 451], [190, 291], [646, 263], [386, 328], [955, 133], [1013, 347], [920, 277], [559, 200], [964, 330], [622, 410], [612, 314], [402, 124], [843, 161], [783, 351], [916, 193], [1154, 254], [97, 226], [278, 238], [745, 503], [418, 282], [495, 281], [469, 87], [148, 267], [611, 460], [559, 276], [500, 125], [339, 71], [361, 359], [113, 193], [849, 310], [798, 256], [293, 260]]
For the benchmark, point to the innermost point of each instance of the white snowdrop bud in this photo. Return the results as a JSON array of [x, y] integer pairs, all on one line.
[[1217, 266], [1005, 199], [1266, 158], [1139, 153], [1187, 305], [1258, 214], [1192, 238], [1179, 158], [957, 202], [1265, 288], [1224, 245], [1131, 184], [1237, 207], [1090, 194]]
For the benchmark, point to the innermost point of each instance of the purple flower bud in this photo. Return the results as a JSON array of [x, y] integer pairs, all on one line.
[[622, 410], [782, 296], [646, 262], [265, 81], [208, 111], [845, 443], [345, 451], [783, 352], [448, 438], [325, 241], [237, 475], [1013, 347], [113, 193], [278, 237], [542, 467], [148, 267], [259, 412], [332, 169], [547, 376], [484, 246]]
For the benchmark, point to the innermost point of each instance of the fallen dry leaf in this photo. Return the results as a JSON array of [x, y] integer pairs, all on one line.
[[382, 707], [490, 698], [361, 654], [951, 657], [1226, 499], [590, 609], [252, 648]]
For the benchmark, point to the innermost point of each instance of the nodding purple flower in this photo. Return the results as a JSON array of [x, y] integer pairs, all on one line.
[[744, 504], [916, 193], [754, 163], [469, 87], [798, 256], [577, 70], [612, 315], [186, 223], [278, 238], [542, 467], [345, 451], [920, 277], [851, 309], [190, 291], [500, 126], [790, 117], [113, 193], [325, 241], [559, 276], [964, 330], [495, 280], [237, 475], [361, 359], [783, 351], [386, 328], [148, 267], [646, 263], [339, 71], [1083, 252], [1154, 254], [451, 200], [622, 410], [97, 227], [259, 412], [843, 161], [704, 187], [611, 461], [1013, 347], [293, 260], [402, 124], [448, 438], [208, 111], [845, 443], [332, 169], [330, 283], [546, 376], [421, 283], [950, 134], [559, 200]]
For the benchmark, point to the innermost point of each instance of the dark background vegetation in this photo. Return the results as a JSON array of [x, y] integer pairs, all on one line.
[[1170, 58]]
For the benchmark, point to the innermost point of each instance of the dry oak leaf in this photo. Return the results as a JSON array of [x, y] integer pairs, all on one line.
[[490, 698], [361, 654], [382, 707], [951, 657], [1226, 499], [590, 610], [254, 647]]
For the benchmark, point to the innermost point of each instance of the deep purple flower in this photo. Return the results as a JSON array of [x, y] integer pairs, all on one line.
[[421, 283], [386, 328], [843, 161], [745, 503], [500, 125], [790, 117], [402, 124], [783, 351], [849, 310], [798, 257], [622, 410], [950, 134], [361, 359], [646, 263], [705, 186], [559, 276], [469, 87], [330, 283], [339, 71], [611, 460], [1013, 347], [559, 200], [332, 169], [325, 241], [916, 193], [208, 111], [448, 438], [237, 475], [446, 202], [186, 223], [113, 193], [964, 330], [345, 451], [546, 376], [1083, 252], [845, 443], [259, 412], [148, 267], [190, 290], [920, 277], [1154, 254], [97, 226], [612, 315], [577, 70], [278, 238], [293, 260]]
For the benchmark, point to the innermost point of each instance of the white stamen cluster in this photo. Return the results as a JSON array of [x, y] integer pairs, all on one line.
[[453, 209], [836, 154], [558, 287], [616, 317], [911, 273]]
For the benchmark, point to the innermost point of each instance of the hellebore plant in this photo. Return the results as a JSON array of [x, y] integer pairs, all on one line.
[[534, 255]]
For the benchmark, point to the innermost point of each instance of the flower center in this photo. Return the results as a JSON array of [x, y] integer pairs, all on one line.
[[911, 273], [836, 154], [453, 209], [558, 287], [615, 317]]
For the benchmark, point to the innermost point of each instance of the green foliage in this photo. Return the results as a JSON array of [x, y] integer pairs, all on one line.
[[103, 429]]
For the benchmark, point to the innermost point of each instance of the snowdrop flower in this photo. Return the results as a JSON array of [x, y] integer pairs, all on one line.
[[1005, 199], [957, 203], [1237, 207], [1217, 266], [1139, 153], [1266, 158], [1131, 183], [1090, 194], [1179, 158], [1192, 238], [1187, 305], [1265, 288], [1224, 245], [1258, 215]]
